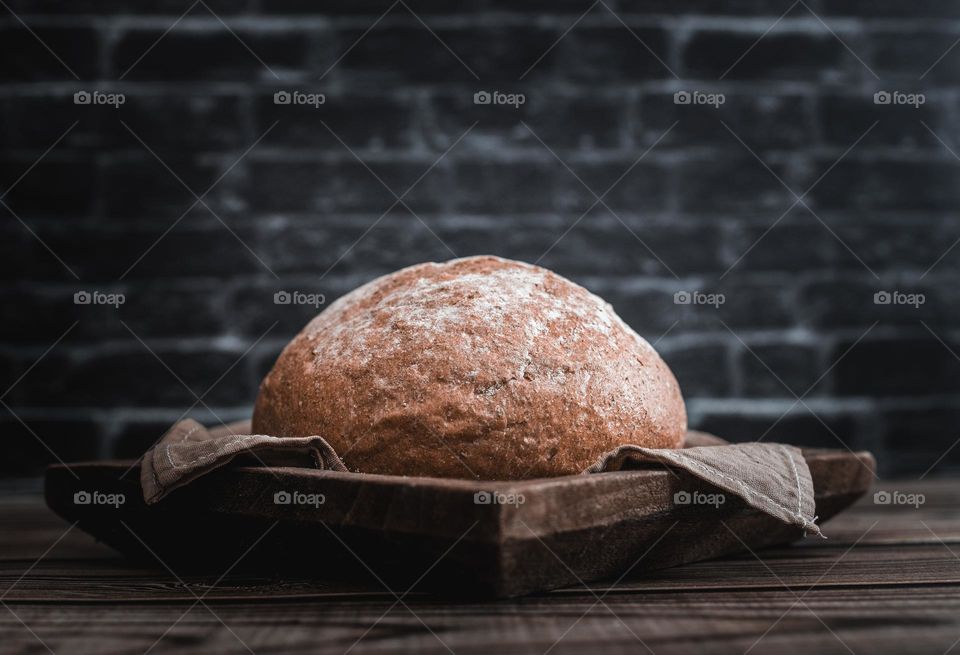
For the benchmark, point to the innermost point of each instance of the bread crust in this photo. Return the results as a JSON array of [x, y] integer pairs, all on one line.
[[478, 367]]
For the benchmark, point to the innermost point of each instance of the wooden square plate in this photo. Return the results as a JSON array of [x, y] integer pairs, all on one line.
[[461, 537]]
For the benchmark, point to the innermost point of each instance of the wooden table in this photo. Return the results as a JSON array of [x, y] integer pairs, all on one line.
[[886, 581]]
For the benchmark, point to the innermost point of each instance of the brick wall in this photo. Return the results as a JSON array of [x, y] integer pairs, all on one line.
[[798, 199]]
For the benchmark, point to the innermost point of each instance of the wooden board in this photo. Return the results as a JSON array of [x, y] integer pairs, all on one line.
[[885, 582], [431, 532]]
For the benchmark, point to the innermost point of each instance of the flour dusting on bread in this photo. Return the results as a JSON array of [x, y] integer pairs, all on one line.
[[476, 367]]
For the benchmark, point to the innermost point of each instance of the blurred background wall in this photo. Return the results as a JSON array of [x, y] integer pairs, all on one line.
[[734, 153]]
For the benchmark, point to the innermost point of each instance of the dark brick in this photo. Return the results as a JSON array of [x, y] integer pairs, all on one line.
[[179, 123], [918, 440], [897, 367], [367, 246], [790, 245], [561, 122], [364, 7], [312, 246], [776, 370], [134, 378], [888, 184], [56, 186], [23, 386], [686, 316], [633, 187], [523, 238], [733, 180], [33, 444], [703, 370], [344, 185], [591, 122], [850, 302], [252, 309], [501, 55], [415, 55], [208, 54], [844, 119], [634, 246], [799, 428], [910, 56], [763, 121], [24, 256], [32, 315], [134, 438], [411, 53], [576, 7], [195, 247], [398, 176], [361, 121], [941, 309], [509, 186], [614, 53], [493, 126], [22, 130], [773, 8], [139, 185], [111, 7], [748, 303], [779, 55], [27, 60], [158, 310], [949, 258], [891, 8], [896, 245]]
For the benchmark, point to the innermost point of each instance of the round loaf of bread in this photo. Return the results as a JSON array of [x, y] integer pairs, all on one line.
[[480, 367]]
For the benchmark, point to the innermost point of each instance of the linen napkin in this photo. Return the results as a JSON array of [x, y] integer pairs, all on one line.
[[772, 478]]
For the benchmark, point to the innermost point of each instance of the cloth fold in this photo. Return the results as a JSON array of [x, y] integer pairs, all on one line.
[[188, 451], [772, 478]]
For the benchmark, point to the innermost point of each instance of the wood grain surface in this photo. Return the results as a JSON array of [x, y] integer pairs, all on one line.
[[886, 581]]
